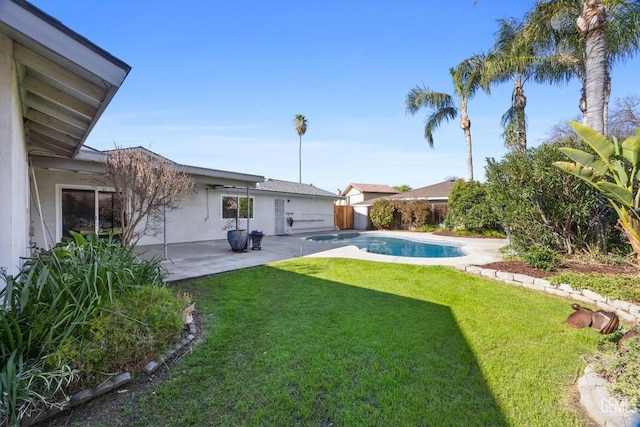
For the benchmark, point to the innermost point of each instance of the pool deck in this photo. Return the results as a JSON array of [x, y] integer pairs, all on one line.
[[197, 259]]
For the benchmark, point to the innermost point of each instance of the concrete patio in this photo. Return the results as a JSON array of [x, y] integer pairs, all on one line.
[[197, 259]]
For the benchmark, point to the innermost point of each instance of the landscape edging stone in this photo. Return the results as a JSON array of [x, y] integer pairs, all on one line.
[[601, 406]]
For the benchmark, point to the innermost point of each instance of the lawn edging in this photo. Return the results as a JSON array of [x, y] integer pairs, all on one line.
[[114, 383], [601, 406], [627, 312]]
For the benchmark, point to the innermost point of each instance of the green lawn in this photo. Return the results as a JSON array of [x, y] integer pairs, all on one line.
[[320, 342]]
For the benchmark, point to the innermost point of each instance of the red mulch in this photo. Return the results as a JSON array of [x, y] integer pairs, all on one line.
[[521, 267]]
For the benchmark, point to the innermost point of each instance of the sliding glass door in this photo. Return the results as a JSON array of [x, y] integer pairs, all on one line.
[[90, 211]]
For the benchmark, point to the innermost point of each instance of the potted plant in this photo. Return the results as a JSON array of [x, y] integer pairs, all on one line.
[[236, 237], [256, 239]]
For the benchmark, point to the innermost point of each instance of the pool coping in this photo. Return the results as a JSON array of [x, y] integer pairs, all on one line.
[[478, 251]]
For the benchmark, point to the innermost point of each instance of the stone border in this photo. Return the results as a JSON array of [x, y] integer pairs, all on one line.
[[601, 406], [627, 312], [113, 383]]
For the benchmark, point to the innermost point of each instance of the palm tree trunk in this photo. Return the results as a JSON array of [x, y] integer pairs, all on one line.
[[300, 161], [519, 103], [591, 23], [465, 124]]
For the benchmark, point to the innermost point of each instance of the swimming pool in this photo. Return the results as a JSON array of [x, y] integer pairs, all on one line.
[[394, 246]]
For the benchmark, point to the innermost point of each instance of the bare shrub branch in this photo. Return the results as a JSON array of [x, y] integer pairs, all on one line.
[[146, 183]]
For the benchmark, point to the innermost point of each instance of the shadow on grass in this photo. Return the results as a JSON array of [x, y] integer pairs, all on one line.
[[287, 348]]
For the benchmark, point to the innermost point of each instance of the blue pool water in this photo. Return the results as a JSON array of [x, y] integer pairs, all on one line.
[[393, 246]]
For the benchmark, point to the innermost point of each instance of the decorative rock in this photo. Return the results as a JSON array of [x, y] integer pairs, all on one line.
[[557, 292], [523, 278], [622, 305], [190, 337], [121, 379], [531, 285], [601, 406], [488, 272], [590, 294], [581, 298], [626, 317], [474, 270], [151, 367], [565, 288], [81, 397], [504, 276]]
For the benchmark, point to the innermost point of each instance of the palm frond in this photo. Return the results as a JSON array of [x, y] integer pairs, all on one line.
[[423, 97], [435, 120]]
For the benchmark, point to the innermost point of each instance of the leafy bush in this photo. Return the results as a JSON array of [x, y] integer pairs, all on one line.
[[544, 259], [537, 203], [48, 304], [620, 366], [382, 213], [469, 207], [125, 335], [428, 228], [624, 287], [413, 213]]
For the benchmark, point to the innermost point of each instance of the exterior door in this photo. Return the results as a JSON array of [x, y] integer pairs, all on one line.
[[279, 217]]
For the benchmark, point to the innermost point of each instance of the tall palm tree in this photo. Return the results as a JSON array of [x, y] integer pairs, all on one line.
[[300, 123], [591, 24], [466, 81], [611, 30], [511, 58]]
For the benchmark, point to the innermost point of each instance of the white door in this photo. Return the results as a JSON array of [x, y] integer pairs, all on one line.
[[279, 226]]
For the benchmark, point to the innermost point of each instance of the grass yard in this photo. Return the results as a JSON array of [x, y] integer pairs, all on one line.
[[319, 342]]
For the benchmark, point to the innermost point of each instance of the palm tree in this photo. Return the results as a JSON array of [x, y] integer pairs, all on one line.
[[466, 81], [591, 24], [300, 123], [585, 38], [511, 58]]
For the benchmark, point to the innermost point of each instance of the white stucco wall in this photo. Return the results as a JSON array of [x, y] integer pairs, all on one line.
[[198, 217], [361, 219], [14, 171]]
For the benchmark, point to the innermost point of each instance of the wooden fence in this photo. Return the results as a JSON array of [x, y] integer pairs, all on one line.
[[343, 217]]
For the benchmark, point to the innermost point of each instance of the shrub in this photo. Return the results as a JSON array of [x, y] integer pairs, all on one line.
[[382, 213], [620, 366], [126, 334], [469, 207], [539, 204], [544, 259], [49, 303], [414, 213]]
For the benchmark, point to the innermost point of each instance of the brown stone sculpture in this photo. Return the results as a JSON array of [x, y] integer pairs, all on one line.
[[602, 321]]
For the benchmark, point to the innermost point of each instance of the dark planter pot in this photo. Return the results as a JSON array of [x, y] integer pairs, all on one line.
[[237, 239], [256, 239]]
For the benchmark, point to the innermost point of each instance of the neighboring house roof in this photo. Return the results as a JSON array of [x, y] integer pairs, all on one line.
[[434, 192], [371, 188], [439, 191], [66, 81], [294, 188]]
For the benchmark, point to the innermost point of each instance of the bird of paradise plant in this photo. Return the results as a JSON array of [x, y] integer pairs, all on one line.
[[614, 170]]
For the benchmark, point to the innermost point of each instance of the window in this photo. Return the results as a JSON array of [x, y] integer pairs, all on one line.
[[236, 207], [90, 211]]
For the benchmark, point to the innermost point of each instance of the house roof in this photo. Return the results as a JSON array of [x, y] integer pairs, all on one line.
[[294, 188], [440, 190], [371, 188], [93, 161], [65, 81], [434, 192]]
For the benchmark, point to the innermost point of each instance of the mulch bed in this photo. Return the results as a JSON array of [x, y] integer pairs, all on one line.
[[521, 267]]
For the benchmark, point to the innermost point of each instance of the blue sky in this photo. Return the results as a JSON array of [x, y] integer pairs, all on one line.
[[217, 83]]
